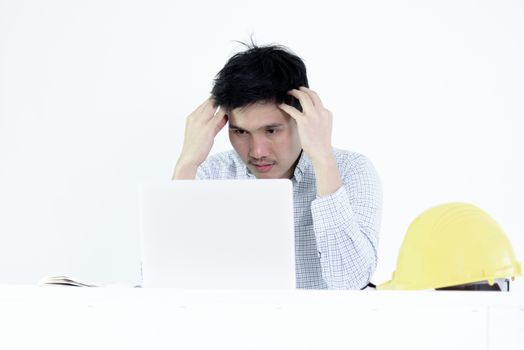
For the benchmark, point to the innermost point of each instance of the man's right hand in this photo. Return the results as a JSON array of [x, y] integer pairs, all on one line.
[[202, 125]]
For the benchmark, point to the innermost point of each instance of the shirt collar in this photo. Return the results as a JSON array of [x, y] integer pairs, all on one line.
[[301, 167], [241, 165]]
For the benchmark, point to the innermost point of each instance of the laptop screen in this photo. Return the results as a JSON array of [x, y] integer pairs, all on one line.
[[218, 234]]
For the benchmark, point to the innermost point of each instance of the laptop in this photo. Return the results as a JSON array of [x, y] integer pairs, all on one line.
[[225, 234]]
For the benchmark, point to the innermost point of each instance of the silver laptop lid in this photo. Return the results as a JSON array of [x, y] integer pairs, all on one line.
[[218, 234]]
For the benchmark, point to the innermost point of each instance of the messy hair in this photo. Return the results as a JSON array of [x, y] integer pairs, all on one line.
[[259, 74]]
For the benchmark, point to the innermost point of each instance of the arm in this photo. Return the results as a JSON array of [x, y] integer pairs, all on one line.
[[346, 213], [346, 225]]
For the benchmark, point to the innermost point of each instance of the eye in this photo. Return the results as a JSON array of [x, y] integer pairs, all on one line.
[[271, 131], [239, 132]]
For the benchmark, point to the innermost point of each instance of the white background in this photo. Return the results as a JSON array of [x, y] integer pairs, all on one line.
[[93, 97]]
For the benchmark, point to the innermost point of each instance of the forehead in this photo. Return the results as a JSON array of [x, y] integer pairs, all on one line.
[[257, 115]]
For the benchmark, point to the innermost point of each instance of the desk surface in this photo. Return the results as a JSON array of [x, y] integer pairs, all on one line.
[[66, 317]]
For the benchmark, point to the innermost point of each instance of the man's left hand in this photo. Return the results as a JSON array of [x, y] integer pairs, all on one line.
[[314, 123]]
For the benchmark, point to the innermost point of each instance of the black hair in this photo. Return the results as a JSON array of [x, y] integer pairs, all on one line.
[[259, 74]]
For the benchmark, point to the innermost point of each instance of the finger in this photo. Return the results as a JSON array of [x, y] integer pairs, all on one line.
[[313, 95], [221, 123], [204, 104], [219, 111], [305, 100], [292, 111], [219, 116], [209, 109], [203, 112]]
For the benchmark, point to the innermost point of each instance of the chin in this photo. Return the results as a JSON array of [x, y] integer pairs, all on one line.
[[266, 176]]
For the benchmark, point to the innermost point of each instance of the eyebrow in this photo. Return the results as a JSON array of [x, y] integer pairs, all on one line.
[[269, 126]]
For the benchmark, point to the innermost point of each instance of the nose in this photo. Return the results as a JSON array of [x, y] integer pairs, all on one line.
[[258, 147]]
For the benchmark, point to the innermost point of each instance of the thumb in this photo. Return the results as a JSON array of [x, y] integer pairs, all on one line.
[[220, 120], [292, 111]]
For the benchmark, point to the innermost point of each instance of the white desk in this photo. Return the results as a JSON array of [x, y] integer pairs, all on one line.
[[119, 318]]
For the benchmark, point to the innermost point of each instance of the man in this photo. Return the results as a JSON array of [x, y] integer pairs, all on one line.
[[279, 128]]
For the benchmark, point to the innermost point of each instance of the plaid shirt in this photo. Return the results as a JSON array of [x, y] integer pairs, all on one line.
[[336, 236]]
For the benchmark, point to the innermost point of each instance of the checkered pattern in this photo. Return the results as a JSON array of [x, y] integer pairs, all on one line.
[[336, 236]]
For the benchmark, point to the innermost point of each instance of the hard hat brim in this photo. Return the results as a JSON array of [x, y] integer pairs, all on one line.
[[389, 285]]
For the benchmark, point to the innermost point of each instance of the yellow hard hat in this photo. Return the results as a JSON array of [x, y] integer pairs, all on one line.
[[452, 244]]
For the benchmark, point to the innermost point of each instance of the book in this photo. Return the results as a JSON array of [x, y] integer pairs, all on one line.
[[62, 281]]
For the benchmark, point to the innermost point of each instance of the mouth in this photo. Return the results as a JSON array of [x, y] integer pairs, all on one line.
[[263, 168]]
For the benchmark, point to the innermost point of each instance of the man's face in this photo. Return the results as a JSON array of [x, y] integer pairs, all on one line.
[[266, 138]]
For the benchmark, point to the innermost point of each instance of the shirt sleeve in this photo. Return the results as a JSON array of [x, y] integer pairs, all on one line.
[[220, 166], [203, 172], [346, 225]]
